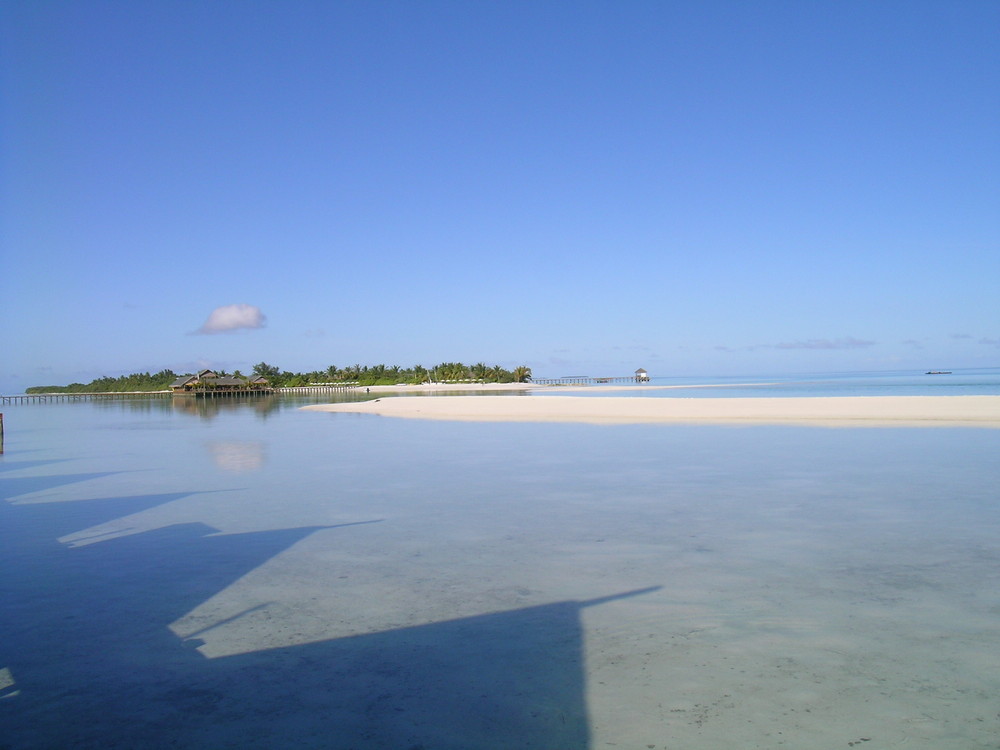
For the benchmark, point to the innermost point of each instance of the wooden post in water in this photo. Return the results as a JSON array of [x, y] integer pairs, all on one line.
[[1, 432]]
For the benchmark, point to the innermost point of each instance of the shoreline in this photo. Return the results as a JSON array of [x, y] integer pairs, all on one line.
[[449, 387], [486, 387], [827, 411]]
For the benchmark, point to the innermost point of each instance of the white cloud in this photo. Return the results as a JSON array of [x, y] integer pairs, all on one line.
[[233, 318]]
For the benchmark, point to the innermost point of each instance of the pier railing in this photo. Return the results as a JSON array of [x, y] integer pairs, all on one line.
[[325, 388], [41, 398], [587, 380]]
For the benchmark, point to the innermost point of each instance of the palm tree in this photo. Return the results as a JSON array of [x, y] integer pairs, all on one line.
[[264, 370], [522, 374]]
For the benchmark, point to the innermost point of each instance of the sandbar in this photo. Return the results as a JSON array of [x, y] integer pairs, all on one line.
[[838, 411]]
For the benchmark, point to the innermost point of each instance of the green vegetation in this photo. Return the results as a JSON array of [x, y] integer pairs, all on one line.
[[140, 381], [385, 375], [367, 375]]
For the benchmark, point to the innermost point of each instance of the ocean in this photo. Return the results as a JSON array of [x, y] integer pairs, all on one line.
[[244, 574], [983, 381]]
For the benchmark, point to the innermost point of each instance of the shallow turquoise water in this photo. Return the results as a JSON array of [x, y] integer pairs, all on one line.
[[968, 382], [244, 574]]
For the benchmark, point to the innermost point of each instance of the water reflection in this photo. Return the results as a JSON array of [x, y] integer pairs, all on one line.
[[262, 406], [209, 408], [237, 456]]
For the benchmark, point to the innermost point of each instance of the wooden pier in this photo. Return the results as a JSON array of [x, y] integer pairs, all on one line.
[[44, 398]]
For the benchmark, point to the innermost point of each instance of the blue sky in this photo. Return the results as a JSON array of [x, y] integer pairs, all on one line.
[[697, 188]]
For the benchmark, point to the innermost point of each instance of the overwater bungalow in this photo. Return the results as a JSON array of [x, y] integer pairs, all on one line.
[[210, 382]]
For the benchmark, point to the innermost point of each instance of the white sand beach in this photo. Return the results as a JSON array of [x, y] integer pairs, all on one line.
[[845, 411]]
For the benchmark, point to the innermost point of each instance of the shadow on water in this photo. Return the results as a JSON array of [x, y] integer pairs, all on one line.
[[18, 465], [87, 659], [31, 528], [14, 486]]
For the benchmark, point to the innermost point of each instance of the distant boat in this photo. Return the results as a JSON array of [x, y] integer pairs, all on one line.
[[938, 372]]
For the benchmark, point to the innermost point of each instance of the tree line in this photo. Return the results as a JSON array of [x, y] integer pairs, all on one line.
[[361, 375], [137, 381], [392, 375]]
